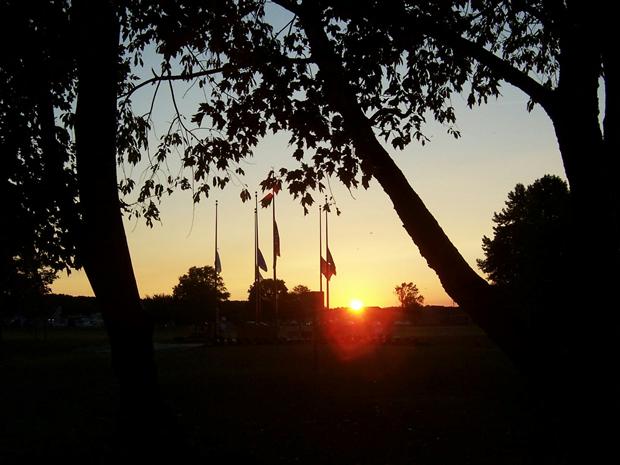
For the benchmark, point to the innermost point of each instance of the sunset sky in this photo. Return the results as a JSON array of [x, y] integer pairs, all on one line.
[[463, 182]]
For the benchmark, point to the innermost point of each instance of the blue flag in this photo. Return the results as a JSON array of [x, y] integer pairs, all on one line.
[[261, 261]]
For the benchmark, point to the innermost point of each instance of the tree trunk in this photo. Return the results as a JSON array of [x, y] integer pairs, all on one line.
[[102, 242], [587, 387]]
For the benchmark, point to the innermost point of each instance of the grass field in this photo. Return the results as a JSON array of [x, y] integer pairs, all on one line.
[[448, 397]]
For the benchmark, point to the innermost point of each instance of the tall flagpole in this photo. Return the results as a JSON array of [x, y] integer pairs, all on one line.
[[275, 259], [256, 279], [329, 270], [321, 256], [217, 307], [315, 317]]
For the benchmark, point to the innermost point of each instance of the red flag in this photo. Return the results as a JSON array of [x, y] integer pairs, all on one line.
[[325, 269], [266, 200]]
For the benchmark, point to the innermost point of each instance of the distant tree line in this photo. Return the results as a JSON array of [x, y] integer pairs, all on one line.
[[201, 294], [294, 305]]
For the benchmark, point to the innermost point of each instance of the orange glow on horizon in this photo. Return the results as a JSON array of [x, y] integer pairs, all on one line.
[[356, 305]]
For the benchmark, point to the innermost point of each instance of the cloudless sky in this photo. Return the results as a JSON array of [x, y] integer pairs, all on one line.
[[463, 182]]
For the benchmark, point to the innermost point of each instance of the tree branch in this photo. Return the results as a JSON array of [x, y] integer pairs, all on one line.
[[172, 77], [404, 24], [536, 91], [189, 77]]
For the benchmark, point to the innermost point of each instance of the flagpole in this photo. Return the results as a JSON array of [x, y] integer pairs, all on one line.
[[327, 251], [315, 317], [256, 280], [321, 255], [275, 282], [217, 309]]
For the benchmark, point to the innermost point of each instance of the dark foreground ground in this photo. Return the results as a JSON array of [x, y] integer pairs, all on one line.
[[447, 396]]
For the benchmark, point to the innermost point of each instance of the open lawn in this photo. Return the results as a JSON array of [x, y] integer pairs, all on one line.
[[449, 396]]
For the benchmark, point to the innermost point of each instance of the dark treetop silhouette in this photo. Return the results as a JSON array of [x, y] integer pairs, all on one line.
[[408, 295], [528, 253], [341, 75]]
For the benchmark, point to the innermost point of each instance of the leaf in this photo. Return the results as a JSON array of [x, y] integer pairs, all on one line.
[[197, 118], [245, 195]]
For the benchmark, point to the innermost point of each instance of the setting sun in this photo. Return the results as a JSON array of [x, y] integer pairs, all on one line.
[[356, 305]]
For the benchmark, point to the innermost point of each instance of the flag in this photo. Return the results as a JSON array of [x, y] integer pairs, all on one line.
[[325, 269], [261, 261], [218, 264], [330, 262], [276, 239], [266, 200]]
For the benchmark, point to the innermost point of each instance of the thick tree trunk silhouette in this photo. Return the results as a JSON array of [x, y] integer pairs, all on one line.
[[547, 344], [103, 245], [590, 165]]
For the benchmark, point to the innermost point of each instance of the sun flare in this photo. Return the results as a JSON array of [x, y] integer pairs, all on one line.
[[356, 305]]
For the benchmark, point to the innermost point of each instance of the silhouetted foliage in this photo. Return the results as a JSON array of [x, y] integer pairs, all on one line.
[[200, 291], [71, 305], [23, 288], [528, 254], [301, 304], [300, 289], [267, 289], [37, 180], [409, 296], [402, 62], [163, 308], [336, 78]]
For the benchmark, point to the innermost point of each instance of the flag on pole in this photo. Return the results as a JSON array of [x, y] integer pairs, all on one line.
[[266, 200], [325, 268], [218, 263], [330, 262], [276, 239], [261, 261]]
